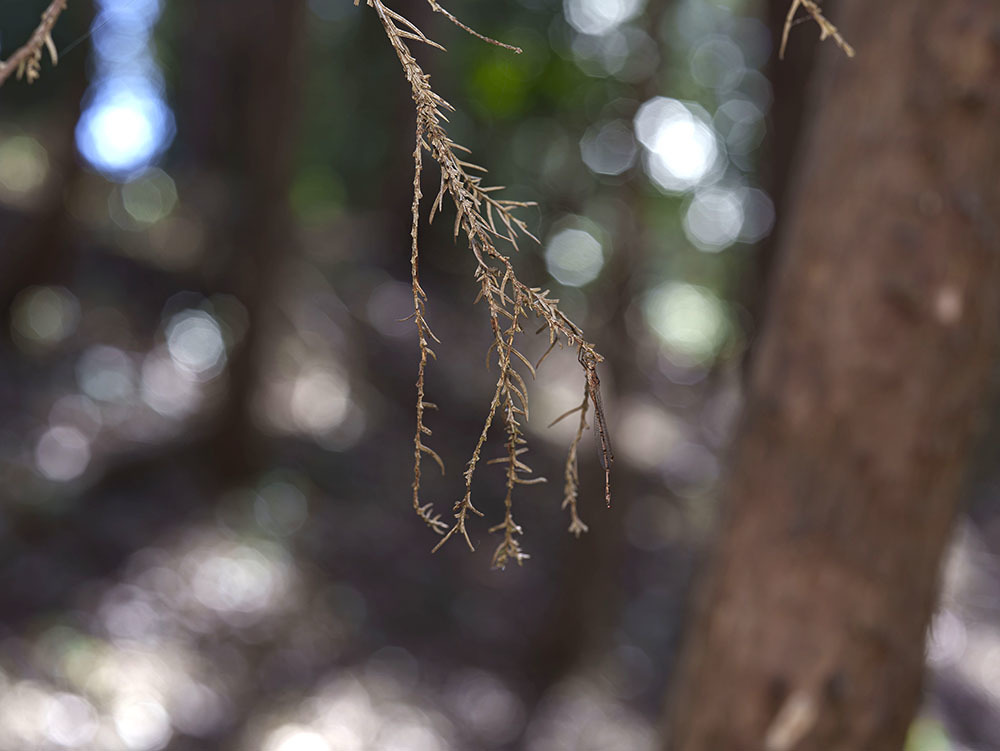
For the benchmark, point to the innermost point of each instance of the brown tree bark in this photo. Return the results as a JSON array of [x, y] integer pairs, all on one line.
[[872, 378]]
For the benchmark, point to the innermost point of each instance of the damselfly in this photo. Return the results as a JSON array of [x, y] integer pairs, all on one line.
[[589, 363]]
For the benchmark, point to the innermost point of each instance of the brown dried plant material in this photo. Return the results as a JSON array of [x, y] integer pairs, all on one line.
[[571, 475], [27, 60], [826, 29], [483, 219]]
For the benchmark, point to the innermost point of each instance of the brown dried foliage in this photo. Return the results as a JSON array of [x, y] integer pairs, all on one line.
[[483, 219]]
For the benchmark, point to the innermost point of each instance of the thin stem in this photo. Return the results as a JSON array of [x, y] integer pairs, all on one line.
[[27, 59]]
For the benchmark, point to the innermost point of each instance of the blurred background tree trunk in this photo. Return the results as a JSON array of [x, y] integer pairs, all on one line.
[[870, 383], [240, 121]]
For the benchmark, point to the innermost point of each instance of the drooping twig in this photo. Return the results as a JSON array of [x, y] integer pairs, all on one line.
[[482, 219], [443, 11], [424, 511], [27, 59], [571, 474]]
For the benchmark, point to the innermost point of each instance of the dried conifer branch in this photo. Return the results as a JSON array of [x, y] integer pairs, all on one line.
[[438, 9], [571, 485], [424, 511], [510, 549], [826, 29], [27, 60], [482, 219], [464, 506]]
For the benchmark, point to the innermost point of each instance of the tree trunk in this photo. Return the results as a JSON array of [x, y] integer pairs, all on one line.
[[865, 397], [239, 115]]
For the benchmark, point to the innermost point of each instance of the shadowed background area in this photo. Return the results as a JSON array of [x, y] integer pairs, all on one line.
[[207, 375]]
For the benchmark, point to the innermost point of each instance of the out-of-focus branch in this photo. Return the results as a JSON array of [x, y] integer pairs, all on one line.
[[28, 58]]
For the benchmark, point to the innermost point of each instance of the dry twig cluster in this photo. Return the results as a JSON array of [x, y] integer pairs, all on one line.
[[483, 219], [27, 60]]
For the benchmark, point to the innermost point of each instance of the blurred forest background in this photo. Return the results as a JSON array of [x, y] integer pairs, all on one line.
[[207, 390]]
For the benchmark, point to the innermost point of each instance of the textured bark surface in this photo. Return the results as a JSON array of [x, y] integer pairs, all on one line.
[[873, 374]]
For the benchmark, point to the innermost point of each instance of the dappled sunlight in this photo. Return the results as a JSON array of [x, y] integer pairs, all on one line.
[[239, 583], [138, 678], [580, 715], [486, 706], [150, 670], [208, 438]]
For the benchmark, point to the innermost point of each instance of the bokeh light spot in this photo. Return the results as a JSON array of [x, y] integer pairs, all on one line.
[[170, 390], [574, 257], [280, 508], [320, 400], [295, 738], [124, 128], [70, 721], [106, 374], [24, 164], [600, 16], [143, 725], [714, 218], [45, 315], [239, 582], [195, 343], [149, 197], [717, 63], [758, 216], [682, 150], [486, 706], [62, 453], [689, 320], [608, 149]]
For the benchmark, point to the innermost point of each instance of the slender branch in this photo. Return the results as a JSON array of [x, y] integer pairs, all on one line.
[[27, 60], [424, 511], [826, 29], [571, 475], [483, 219], [443, 11]]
